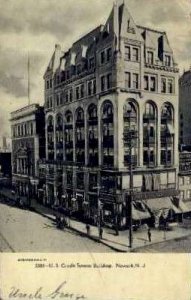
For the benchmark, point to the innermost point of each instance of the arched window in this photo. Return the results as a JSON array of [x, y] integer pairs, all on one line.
[[80, 136], [108, 133], [149, 134], [68, 136], [167, 134], [92, 135], [130, 134]]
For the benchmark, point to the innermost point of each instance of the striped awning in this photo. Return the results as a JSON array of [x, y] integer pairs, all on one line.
[[138, 214], [160, 204]]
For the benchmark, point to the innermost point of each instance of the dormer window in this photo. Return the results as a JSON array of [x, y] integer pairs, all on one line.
[[167, 60], [150, 57]]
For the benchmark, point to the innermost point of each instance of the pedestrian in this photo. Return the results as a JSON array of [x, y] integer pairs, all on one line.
[[88, 229], [149, 234], [101, 233]]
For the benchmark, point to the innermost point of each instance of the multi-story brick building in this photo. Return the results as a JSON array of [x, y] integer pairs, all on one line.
[[185, 108], [28, 146], [117, 81]]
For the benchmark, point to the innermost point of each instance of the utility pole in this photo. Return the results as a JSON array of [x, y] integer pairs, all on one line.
[[98, 188]]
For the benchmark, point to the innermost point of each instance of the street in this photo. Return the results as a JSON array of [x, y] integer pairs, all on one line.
[[181, 245], [26, 231]]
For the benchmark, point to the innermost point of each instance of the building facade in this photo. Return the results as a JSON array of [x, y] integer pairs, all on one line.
[[28, 146], [111, 102], [185, 108]]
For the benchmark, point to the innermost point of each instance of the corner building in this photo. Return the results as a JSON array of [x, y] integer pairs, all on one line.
[[118, 79]]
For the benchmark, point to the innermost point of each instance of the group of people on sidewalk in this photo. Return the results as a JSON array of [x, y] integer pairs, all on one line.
[[100, 229]]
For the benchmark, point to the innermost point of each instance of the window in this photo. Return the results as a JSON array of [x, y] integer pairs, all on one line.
[[135, 54], [71, 95], [91, 63], [79, 69], [94, 86], [170, 86], [167, 85], [57, 100], [82, 91], [181, 180], [89, 88], [189, 194], [127, 80], [50, 83], [167, 60], [109, 82], [102, 83], [127, 52], [67, 96], [152, 83], [78, 92], [67, 74], [47, 84], [102, 57], [163, 85], [150, 57], [109, 53], [135, 81], [146, 82]]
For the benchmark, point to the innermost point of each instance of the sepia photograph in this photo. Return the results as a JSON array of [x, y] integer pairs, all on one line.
[[95, 126]]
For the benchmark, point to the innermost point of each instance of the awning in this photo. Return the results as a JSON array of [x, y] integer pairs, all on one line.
[[160, 204], [139, 214], [184, 207]]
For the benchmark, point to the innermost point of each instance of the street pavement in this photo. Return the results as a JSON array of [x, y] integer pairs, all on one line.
[[25, 231], [47, 238]]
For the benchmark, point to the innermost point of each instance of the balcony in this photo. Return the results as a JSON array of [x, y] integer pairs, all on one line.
[[108, 141], [93, 143], [130, 160]]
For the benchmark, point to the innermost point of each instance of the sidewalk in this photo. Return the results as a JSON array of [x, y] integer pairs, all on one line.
[[118, 243]]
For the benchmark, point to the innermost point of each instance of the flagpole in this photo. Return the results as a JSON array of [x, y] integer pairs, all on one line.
[[28, 69]]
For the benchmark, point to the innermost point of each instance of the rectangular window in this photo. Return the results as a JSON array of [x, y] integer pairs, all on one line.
[[47, 84], [146, 82], [163, 85], [127, 80], [77, 93], [102, 83], [109, 81], [89, 88], [102, 57], [135, 81], [67, 96], [82, 90], [94, 86], [79, 69], [71, 95], [127, 52], [152, 83], [135, 54], [170, 87], [167, 60], [109, 52], [150, 57], [91, 63], [67, 74], [50, 83]]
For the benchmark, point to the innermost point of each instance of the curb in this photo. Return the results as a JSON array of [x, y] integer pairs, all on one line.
[[95, 239]]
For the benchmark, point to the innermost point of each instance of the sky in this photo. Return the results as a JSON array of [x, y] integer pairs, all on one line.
[[33, 27]]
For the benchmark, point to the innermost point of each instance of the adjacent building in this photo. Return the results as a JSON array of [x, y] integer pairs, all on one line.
[[28, 146], [111, 104], [185, 108]]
